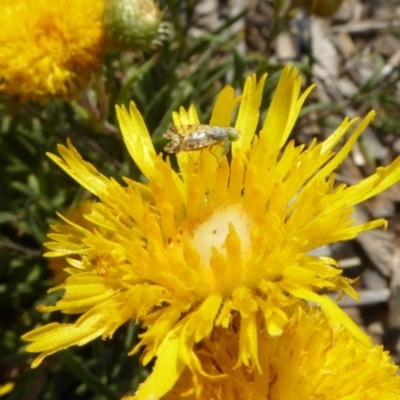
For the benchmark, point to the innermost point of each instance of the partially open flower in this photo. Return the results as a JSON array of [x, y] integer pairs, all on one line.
[[310, 360], [226, 239]]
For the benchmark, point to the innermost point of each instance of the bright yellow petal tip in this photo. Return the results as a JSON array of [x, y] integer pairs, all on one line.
[[6, 388], [60, 265], [224, 242]]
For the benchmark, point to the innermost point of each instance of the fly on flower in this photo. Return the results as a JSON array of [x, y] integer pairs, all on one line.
[[198, 136]]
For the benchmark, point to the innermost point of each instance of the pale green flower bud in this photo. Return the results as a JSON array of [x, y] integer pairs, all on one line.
[[132, 24]]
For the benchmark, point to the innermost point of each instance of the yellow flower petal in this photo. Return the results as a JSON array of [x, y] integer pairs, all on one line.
[[223, 108], [57, 337], [137, 139], [6, 388], [82, 171], [249, 113], [336, 316], [166, 372]]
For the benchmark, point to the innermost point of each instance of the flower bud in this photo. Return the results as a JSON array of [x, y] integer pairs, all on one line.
[[131, 24]]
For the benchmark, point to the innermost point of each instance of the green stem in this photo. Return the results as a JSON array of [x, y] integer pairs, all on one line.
[[92, 381]]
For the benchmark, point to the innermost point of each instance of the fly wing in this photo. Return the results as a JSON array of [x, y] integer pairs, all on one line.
[[198, 140], [171, 133], [185, 130]]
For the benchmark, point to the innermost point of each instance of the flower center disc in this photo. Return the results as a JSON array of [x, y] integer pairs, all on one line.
[[213, 232]]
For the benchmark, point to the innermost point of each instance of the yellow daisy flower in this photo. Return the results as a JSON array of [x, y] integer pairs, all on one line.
[[310, 360], [49, 48], [226, 237]]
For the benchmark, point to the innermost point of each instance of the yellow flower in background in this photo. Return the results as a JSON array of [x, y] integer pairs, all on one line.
[[49, 48], [310, 360], [224, 241], [60, 265]]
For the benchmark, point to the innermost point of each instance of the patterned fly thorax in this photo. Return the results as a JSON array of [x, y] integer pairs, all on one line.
[[198, 136]]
